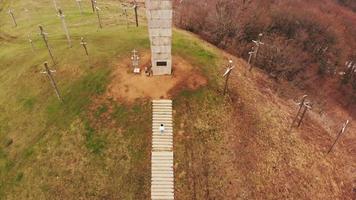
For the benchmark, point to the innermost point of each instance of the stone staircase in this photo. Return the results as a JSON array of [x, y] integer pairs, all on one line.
[[162, 175]]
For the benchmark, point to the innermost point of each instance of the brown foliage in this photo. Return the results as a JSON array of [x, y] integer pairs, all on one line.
[[301, 37]]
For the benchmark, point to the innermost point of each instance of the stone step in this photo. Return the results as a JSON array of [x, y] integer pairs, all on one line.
[[168, 190], [163, 109], [166, 132], [161, 100], [162, 185], [161, 149], [162, 196], [162, 179], [157, 108], [165, 124], [161, 112], [160, 119], [162, 161], [162, 140]]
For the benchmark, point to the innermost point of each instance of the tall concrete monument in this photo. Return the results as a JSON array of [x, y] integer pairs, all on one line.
[[159, 16]]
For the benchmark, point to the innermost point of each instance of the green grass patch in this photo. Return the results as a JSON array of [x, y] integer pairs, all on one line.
[[94, 142], [77, 97]]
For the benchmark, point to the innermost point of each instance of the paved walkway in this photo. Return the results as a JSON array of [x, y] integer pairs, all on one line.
[[162, 176]]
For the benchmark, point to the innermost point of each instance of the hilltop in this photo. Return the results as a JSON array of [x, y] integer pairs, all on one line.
[[96, 145]]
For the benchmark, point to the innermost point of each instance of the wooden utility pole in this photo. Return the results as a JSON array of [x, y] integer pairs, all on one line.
[[65, 28], [339, 135], [43, 34], [97, 9], [53, 82], [93, 5], [11, 13], [135, 7], [79, 3], [258, 43], [227, 75]]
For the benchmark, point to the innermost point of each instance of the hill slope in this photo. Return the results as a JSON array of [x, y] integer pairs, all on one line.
[[96, 145]]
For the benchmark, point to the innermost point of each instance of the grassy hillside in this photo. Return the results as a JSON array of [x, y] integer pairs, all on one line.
[[95, 147]]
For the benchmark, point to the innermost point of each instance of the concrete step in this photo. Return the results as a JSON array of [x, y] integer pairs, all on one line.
[[161, 100], [157, 124], [162, 179], [160, 119], [161, 149], [162, 136], [162, 140]]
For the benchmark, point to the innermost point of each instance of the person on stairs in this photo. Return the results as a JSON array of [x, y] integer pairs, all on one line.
[[161, 128]]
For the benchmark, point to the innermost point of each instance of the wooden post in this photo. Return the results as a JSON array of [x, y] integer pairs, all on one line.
[[31, 42], [97, 9], [65, 28], [13, 17], [55, 5], [302, 117], [338, 136], [301, 104], [93, 5], [53, 82], [258, 43], [227, 76], [126, 17], [43, 34], [251, 53], [79, 3], [136, 16], [84, 44]]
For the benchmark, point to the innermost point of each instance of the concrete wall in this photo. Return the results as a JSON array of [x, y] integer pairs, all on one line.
[[159, 16]]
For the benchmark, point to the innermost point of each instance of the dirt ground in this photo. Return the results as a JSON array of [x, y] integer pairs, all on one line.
[[134, 86]]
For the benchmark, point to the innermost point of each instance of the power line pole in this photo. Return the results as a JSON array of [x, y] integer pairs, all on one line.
[[135, 7], [64, 25], [97, 9], [227, 75], [43, 34], [11, 13], [339, 135], [258, 43], [53, 82]]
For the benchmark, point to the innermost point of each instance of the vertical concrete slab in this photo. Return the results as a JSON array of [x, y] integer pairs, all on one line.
[[159, 16]]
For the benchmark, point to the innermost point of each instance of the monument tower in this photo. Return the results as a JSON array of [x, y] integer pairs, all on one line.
[[159, 16]]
